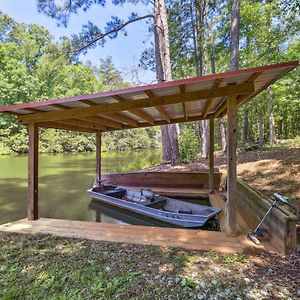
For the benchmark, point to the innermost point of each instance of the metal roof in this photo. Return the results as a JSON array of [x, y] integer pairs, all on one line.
[[176, 101]]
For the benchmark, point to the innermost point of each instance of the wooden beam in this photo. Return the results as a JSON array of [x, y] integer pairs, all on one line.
[[102, 122], [138, 104], [208, 104], [164, 114], [118, 118], [241, 99], [142, 114], [137, 112], [124, 119], [211, 153], [98, 155], [230, 213], [33, 144], [61, 126], [82, 123], [164, 122]]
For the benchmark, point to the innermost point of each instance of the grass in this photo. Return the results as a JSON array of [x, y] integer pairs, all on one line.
[[47, 267]]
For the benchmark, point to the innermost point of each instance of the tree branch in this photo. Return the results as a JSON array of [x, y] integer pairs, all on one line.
[[103, 35]]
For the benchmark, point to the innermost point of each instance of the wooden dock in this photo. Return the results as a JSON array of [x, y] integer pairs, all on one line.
[[170, 237]]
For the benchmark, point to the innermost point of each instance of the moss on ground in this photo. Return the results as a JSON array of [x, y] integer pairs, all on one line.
[[47, 267]]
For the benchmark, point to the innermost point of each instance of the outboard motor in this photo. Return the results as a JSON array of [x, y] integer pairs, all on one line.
[[259, 232]]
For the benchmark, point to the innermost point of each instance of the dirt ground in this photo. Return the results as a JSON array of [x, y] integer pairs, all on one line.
[[269, 170]]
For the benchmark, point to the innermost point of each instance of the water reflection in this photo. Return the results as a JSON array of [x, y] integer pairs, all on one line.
[[63, 181]]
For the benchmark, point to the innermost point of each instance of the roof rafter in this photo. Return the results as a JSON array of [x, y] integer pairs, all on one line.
[[240, 100], [82, 123], [122, 118], [208, 104], [105, 108], [137, 112], [164, 114], [101, 121], [182, 91]]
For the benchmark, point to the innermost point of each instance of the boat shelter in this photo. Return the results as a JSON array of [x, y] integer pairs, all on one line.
[[199, 98]]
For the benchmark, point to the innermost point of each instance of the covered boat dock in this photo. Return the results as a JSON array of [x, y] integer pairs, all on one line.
[[199, 98]]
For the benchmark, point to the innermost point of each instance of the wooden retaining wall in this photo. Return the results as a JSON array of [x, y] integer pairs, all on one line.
[[281, 223], [177, 184]]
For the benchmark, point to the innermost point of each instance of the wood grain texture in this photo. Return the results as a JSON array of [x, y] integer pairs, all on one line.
[[211, 153], [230, 211], [98, 155], [33, 132], [145, 235]]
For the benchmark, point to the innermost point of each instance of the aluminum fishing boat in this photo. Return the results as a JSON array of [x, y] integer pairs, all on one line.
[[144, 202]]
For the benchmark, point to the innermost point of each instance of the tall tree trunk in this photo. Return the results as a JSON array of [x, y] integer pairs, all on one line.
[[235, 29], [272, 134], [223, 136], [200, 8], [260, 129], [245, 126], [164, 73]]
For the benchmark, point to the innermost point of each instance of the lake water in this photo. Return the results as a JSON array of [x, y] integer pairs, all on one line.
[[63, 181]]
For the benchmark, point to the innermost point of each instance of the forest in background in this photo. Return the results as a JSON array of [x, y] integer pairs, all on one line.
[[33, 67]]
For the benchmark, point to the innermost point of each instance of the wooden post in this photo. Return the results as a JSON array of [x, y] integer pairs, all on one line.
[[98, 156], [231, 166], [33, 132], [211, 153]]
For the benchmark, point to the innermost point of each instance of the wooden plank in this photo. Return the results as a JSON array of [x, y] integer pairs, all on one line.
[[178, 180], [242, 98], [230, 211], [138, 104], [164, 114], [216, 200], [143, 115], [137, 112], [281, 223], [98, 155], [145, 235], [211, 153], [124, 119], [61, 126], [33, 145], [82, 123], [103, 122], [188, 239]]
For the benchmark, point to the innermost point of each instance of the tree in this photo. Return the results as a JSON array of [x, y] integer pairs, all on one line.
[[92, 36], [235, 31]]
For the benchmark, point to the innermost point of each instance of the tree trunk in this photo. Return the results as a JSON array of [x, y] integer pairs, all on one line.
[[200, 7], [223, 136], [260, 129], [245, 126], [235, 29], [272, 134], [164, 73]]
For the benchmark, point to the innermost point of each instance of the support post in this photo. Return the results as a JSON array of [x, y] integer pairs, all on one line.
[[231, 166], [98, 155], [211, 153], [33, 132]]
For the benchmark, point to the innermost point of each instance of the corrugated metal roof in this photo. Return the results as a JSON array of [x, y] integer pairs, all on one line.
[[168, 102]]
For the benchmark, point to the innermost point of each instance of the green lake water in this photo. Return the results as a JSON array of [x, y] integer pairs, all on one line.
[[63, 181]]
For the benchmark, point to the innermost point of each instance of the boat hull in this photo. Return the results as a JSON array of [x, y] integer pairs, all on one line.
[[173, 219]]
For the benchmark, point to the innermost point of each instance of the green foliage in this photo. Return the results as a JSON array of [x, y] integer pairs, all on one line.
[[32, 68], [188, 144]]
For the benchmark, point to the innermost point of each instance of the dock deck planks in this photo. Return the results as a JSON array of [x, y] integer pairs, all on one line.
[[171, 237]]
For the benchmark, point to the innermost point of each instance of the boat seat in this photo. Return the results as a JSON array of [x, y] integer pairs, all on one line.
[[157, 203], [116, 193]]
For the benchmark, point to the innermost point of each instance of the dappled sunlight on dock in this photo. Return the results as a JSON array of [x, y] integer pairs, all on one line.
[[146, 235]]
